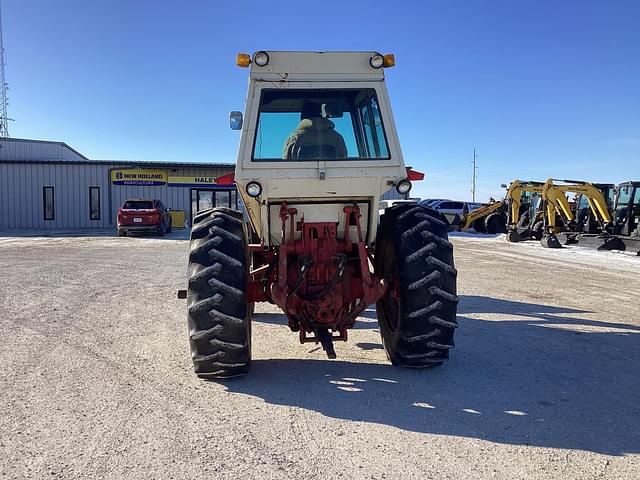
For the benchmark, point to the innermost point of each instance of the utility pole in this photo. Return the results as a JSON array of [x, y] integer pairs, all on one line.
[[4, 119], [473, 183]]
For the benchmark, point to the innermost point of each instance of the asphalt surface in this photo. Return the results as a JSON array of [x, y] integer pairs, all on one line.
[[96, 379]]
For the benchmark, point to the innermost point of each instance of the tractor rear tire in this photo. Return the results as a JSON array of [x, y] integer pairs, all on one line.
[[219, 316], [417, 315], [495, 223]]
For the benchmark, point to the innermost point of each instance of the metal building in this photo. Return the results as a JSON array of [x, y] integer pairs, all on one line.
[[49, 185]]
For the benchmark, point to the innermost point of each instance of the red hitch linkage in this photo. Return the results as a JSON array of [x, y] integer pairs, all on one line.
[[321, 283]]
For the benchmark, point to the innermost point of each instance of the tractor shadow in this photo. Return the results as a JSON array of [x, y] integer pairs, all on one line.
[[542, 376]]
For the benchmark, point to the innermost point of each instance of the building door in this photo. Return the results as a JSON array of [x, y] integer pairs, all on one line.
[[204, 199]]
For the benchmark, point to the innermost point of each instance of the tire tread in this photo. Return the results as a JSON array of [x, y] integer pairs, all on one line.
[[218, 313], [426, 274]]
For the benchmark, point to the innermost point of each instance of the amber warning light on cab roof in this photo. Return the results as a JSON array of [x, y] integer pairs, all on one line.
[[261, 59], [243, 60]]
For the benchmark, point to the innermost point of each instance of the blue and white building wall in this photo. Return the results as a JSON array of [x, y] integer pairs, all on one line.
[[50, 186]]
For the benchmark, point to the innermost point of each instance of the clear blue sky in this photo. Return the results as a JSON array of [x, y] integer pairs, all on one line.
[[541, 88]]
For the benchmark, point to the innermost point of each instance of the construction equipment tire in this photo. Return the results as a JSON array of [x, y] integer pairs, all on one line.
[[495, 223], [478, 225], [219, 316], [417, 315]]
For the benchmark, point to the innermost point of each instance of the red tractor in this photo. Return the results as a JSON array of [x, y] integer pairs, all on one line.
[[318, 149]]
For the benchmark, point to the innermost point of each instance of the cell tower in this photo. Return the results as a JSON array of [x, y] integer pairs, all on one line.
[[4, 120]]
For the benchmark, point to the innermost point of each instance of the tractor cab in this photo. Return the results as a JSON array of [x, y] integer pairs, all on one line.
[[317, 134]]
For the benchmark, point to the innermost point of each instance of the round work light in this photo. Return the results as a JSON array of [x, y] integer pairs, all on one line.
[[403, 186], [254, 189], [261, 59], [377, 61]]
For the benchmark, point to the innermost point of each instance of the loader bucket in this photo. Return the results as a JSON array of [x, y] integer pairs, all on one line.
[[569, 238], [628, 244], [600, 242], [519, 235], [551, 241], [632, 244]]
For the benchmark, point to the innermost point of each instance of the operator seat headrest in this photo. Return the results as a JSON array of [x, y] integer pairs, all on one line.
[[312, 152], [311, 110]]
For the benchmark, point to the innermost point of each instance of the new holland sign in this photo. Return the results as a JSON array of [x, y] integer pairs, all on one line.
[[132, 176], [205, 182]]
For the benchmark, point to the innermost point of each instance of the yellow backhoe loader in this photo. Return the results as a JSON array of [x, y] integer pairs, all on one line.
[[491, 218]]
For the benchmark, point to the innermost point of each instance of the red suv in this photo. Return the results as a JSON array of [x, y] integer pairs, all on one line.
[[143, 215]]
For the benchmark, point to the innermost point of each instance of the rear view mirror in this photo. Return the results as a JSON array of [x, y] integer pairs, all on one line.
[[235, 120]]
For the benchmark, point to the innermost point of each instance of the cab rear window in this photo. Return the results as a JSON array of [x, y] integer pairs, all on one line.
[[319, 124], [137, 205]]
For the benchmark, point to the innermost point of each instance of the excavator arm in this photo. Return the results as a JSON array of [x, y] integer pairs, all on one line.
[[514, 197], [556, 200]]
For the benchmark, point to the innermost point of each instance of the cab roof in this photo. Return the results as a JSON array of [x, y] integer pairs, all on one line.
[[318, 66]]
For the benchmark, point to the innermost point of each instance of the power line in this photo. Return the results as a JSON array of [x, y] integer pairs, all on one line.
[[473, 181]]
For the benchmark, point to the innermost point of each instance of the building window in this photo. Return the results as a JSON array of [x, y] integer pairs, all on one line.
[[94, 203], [47, 197]]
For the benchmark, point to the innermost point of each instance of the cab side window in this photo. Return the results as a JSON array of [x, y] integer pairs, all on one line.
[[373, 132]]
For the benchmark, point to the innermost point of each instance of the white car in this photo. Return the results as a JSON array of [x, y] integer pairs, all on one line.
[[384, 204], [475, 206], [448, 207], [429, 201]]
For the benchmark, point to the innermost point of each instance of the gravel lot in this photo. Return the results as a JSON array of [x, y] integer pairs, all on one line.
[[96, 377]]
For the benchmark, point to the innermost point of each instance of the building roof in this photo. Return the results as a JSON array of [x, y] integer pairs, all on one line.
[[21, 150], [28, 149]]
